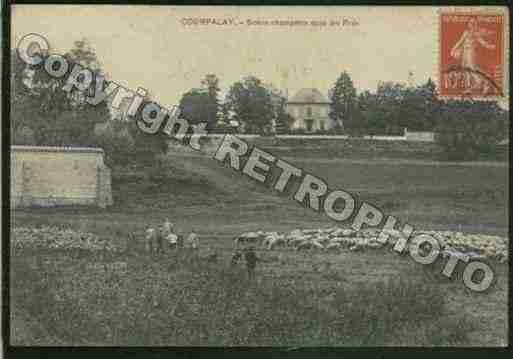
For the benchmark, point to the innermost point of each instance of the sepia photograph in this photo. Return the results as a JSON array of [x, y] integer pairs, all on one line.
[[256, 176]]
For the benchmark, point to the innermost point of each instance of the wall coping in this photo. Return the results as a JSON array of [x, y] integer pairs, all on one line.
[[56, 149], [307, 103]]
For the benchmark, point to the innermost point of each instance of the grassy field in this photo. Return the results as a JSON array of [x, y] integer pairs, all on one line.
[[198, 193]]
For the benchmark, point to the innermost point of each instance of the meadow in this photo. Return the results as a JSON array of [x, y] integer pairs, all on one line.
[[298, 299]]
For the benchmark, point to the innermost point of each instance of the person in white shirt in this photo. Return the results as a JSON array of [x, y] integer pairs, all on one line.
[[193, 240], [167, 227], [168, 234], [172, 240]]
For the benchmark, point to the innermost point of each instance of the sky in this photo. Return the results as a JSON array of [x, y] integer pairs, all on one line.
[[159, 49]]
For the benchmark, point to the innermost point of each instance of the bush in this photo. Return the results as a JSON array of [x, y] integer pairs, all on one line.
[[223, 128], [467, 129], [115, 139]]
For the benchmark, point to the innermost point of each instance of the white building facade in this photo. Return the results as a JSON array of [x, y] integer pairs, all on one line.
[[310, 109]]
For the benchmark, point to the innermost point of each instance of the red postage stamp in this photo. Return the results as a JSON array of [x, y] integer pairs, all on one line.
[[471, 62]]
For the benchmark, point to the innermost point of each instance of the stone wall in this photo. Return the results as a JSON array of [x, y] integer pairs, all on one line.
[[54, 176], [422, 136]]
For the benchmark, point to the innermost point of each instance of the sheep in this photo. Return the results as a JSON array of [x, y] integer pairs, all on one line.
[[304, 245], [271, 242], [322, 239], [333, 247], [309, 244], [356, 248], [250, 237], [317, 244], [295, 241]]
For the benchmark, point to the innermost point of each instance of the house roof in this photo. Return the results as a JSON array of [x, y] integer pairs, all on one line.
[[309, 95]]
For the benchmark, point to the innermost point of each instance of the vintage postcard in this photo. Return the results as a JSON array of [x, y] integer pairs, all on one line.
[[235, 176]]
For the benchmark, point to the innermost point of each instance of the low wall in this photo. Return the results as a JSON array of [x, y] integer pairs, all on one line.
[[425, 136], [329, 146], [340, 146], [55, 176]]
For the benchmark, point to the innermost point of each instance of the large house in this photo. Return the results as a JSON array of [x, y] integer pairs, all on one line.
[[310, 109]]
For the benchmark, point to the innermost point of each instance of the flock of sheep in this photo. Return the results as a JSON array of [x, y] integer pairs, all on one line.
[[57, 238], [335, 239]]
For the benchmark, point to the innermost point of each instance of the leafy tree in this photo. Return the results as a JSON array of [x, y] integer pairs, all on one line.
[[202, 104], [55, 116], [251, 105], [225, 115], [431, 104], [23, 102], [372, 118], [419, 107], [395, 106], [58, 118], [389, 97], [211, 84], [468, 128], [195, 107], [282, 120], [85, 55], [117, 142], [146, 147], [343, 101]]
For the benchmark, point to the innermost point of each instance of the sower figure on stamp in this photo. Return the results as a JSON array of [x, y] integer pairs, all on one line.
[[465, 51]]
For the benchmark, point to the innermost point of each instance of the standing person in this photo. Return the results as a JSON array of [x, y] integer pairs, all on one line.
[[193, 240], [151, 240], [169, 235], [172, 240], [180, 241], [251, 261], [167, 227]]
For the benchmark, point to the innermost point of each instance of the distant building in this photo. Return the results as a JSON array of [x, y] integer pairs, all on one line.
[[55, 176], [310, 109]]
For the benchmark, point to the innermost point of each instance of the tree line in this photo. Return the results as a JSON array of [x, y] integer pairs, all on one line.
[[42, 114]]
